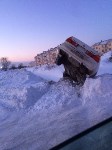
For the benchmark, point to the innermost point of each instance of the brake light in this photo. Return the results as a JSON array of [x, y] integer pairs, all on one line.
[[95, 57], [72, 42]]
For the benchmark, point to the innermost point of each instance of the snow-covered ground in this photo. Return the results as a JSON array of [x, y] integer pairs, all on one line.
[[38, 109]]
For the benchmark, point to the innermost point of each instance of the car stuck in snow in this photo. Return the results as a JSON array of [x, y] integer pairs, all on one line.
[[79, 59]]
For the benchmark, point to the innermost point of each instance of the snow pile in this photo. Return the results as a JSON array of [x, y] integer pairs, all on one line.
[[96, 95], [49, 72], [17, 78], [38, 109], [60, 94], [20, 89], [105, 65]]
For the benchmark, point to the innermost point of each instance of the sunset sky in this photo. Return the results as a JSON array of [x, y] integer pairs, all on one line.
[[28, 27]]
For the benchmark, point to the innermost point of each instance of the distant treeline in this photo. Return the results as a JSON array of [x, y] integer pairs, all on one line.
[[6, 64]]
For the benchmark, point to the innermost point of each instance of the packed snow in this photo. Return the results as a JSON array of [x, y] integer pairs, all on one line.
[[39, 109]]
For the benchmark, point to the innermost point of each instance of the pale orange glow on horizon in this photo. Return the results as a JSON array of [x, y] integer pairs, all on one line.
[[19, 58]]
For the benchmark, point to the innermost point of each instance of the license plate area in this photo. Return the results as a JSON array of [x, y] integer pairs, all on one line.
[[77, 53]]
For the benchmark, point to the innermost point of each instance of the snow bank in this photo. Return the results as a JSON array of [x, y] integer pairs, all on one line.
[[96, 95], [39, 110], [55, 116], [49, 73], [17, 78], [20, 89], [59, 94], [105, 65]]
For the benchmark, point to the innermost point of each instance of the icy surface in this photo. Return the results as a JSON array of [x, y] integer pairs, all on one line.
[[38, 109]]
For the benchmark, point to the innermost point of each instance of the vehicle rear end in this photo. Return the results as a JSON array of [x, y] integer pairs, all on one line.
[[79, 53]]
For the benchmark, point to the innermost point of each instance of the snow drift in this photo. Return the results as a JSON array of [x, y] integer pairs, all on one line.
[[38, 109]]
